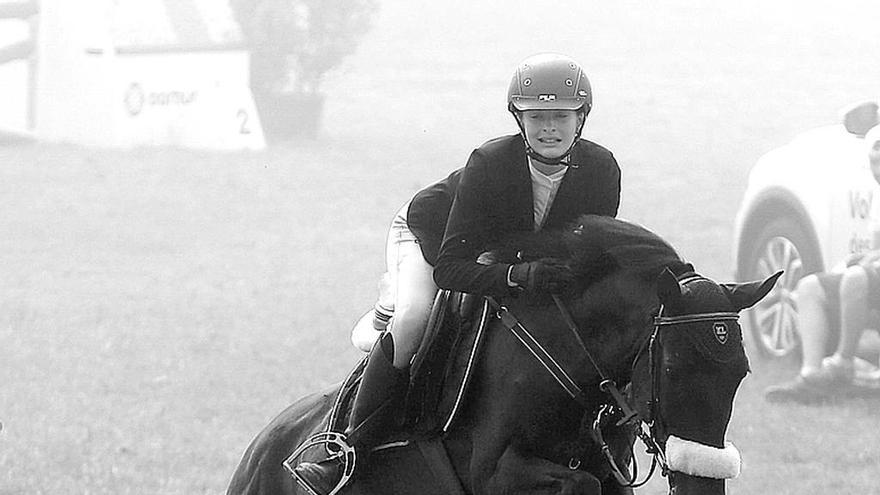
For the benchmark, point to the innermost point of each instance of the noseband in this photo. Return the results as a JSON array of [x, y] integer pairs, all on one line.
[[653, 428], [648, 431]]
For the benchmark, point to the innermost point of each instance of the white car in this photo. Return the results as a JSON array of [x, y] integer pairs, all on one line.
[[807, 205]]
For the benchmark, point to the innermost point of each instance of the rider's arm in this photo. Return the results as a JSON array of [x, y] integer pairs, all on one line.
[[472, 218]]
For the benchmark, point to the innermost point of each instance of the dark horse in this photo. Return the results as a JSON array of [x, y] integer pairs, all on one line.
[[637, 315]]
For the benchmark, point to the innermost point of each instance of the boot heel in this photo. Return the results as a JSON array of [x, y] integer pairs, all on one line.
[[343, 453]]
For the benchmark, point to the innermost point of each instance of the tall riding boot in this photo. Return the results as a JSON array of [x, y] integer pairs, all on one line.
[[382, 387]]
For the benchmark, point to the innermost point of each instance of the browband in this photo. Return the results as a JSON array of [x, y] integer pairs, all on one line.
[[675, 320]]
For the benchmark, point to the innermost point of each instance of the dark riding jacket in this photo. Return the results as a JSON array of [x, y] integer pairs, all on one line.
[[494, 200]]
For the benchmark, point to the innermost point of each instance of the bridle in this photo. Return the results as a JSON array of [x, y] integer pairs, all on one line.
[[649, 430]]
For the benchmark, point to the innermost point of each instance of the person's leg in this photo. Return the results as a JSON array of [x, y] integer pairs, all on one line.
[[386, 374], [869, 374], [853, 313], [382, 388], [412, 305], [398, 233], [859, 292], [840, 367], [815, 317], [380, 381], [383, 310], [373, 323], [813, 323]]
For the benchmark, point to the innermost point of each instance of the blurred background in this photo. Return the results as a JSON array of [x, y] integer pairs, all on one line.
[[194, 197]]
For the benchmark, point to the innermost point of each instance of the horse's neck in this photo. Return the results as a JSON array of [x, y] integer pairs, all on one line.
[[511, 379], [615, 316]]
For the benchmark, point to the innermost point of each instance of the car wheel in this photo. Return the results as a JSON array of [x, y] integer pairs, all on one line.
[[782, 244]]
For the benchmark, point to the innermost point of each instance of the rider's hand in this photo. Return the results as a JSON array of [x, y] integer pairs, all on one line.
[[542, 276], [488, 258], [499, 256]]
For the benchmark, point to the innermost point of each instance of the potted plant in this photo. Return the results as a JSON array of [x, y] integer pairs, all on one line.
[[293, 44]]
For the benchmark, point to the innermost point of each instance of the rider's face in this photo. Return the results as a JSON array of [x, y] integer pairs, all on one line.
[[550, 132]]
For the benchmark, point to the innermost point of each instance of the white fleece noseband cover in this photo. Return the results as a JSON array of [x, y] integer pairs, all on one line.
[[697, 459]]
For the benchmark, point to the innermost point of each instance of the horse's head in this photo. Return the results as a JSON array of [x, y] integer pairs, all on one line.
[[686, 377], [686, 371]]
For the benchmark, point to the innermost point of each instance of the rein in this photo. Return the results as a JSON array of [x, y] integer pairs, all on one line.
[[528, 340], [646, 430], [512, 323]]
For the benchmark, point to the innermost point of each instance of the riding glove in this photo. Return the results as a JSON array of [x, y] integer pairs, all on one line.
[[547, 275]]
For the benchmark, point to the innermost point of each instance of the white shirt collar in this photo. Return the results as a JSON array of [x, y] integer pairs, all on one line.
[[539, 175]]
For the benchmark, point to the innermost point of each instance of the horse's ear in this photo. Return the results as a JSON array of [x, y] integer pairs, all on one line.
[[745, 295], [668, 288]]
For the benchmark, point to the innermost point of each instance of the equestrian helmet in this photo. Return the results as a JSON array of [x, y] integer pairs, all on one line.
[[549, 81]]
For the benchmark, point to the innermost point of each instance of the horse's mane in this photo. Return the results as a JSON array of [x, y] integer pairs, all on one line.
[[596, 246], [605, 243]]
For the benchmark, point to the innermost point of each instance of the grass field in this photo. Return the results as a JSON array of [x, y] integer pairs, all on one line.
[[159, 306]]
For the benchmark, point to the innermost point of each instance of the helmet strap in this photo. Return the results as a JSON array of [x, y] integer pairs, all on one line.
[[562, 159]]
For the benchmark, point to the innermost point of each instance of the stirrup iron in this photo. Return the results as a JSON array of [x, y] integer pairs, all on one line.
[[337, 448]]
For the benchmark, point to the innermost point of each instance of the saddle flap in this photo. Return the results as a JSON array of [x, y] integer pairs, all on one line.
[[444, 362], [440, 370]]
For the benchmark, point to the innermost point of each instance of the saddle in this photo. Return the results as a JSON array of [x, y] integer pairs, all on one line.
[[440, 373], [440, 370]]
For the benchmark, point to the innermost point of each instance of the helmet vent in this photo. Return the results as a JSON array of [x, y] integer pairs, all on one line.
[[548, 82]]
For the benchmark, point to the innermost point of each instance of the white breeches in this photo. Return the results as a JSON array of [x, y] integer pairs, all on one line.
[[412, 288]]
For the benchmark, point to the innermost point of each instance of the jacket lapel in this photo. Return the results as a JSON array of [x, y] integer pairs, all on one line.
[[520, 184]]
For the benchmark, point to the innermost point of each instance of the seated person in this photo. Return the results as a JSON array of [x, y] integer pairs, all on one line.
[[852, 295], [849, 296]]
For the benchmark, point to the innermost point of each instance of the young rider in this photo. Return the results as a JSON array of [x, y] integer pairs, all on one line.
[[544, 177]]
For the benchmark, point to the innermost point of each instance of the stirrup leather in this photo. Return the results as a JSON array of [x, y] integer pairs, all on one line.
[[337, 447]]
